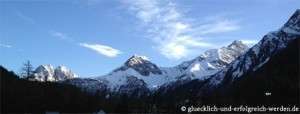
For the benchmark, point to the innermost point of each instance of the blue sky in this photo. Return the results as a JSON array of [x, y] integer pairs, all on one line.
[[93, 37]]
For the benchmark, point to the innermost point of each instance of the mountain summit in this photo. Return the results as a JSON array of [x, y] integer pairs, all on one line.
[[63, 73], [44, 73], [143, 71], [48, 73], [137, 69], [212, 61], [141, 64]]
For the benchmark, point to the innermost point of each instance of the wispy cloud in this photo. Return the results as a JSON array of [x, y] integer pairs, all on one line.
[[102, 49], [61, 35], [5, 45], [99, 48], [24, 17], [174, 36], [218, 26], [181, 47]]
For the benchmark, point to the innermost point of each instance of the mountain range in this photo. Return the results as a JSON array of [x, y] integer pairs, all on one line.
[[48, 73], [217, 66], [265, 74], [140, 70]]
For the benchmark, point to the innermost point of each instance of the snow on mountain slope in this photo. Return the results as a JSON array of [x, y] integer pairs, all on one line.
[[139, 67], [44, 73], [260, 53], [63, 73], [139, 71], [212, 61], [141, 64], [153, 76], [48, 73]]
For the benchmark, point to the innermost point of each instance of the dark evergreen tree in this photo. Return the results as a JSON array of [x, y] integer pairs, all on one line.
[[27, 70]]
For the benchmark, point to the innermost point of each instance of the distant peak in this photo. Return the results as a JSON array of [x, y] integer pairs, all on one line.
[[141, 64], [46, 66], [237, 41], [48, 73], [62, 68], [135, 56], [136, 59], [237, 44]]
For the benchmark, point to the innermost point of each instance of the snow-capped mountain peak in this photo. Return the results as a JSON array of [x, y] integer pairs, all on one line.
[[44, 73], [225, 54], [136, 60], [237, 44], [140, 64], [47, 67], [140, 71], [232, 51], [62, 73], [211, 61], [48, 73], [136, 66]]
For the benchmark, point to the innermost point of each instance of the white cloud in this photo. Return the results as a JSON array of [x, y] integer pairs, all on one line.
[[62, 36], [219, 26], [175, 38], [102, 49], [5, 45], [24, 17], [59, 35], [181, 47]]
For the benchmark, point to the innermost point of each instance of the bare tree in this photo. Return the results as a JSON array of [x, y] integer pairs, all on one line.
[[27, 70]]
